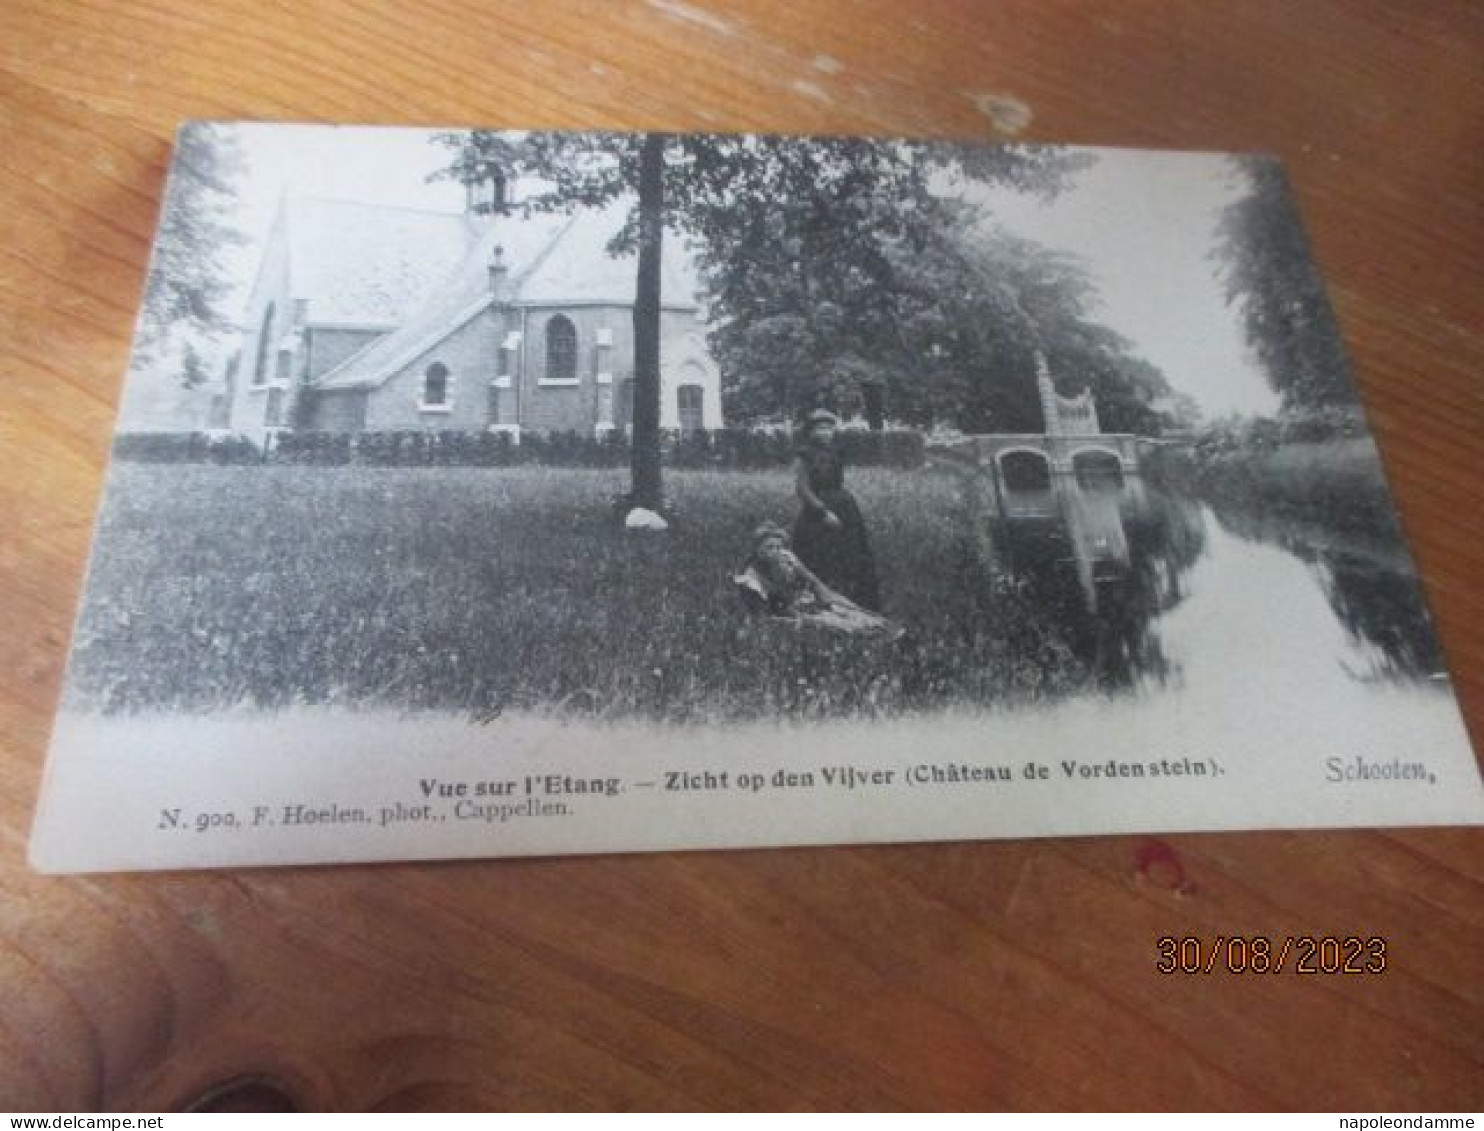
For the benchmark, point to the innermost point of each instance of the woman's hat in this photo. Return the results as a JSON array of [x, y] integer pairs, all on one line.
[[821, 416], [767, 530]]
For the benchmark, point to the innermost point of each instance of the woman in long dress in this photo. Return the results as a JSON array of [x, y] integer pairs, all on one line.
[[830, 533]]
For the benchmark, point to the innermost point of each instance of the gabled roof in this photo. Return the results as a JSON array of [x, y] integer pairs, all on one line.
[[368, 264], [452, 301], [580, 270], [553, 260]]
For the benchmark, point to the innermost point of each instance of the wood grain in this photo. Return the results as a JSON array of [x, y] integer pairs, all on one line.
[[962, 975]]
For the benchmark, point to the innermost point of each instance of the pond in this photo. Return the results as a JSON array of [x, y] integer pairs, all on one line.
[[1160, 592]]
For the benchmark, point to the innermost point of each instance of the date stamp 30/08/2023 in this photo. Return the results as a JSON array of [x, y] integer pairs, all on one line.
[[1261, 954]]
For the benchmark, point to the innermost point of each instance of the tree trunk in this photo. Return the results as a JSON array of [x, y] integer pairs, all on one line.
[[874, 394], [648, 488]]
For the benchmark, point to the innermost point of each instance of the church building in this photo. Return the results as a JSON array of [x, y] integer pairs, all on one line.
[[379, 318]]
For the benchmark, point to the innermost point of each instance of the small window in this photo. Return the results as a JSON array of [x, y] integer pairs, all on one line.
[[265, 337], [435, 386], [691, 402], [561, 349]]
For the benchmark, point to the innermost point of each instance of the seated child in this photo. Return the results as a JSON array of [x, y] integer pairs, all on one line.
[[774, 582]]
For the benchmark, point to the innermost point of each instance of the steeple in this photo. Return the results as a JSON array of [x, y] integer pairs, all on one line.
[[1050, 414], [1064, 416]]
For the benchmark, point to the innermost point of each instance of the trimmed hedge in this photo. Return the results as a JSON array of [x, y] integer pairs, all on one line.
[[185, 447], [725, 448]]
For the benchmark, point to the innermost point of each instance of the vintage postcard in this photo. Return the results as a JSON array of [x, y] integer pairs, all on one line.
[[507, 493]]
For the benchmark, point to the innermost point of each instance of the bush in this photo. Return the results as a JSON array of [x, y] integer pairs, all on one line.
[[718, 449], [883, 449], [185, 447], [1293, 426]]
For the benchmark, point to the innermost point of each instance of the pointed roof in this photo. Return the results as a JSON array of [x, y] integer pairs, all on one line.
[[553, 260], [369, 264], [580, 270], [453, 301]]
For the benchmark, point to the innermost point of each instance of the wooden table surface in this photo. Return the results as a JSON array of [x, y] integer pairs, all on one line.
[[1013, 974]]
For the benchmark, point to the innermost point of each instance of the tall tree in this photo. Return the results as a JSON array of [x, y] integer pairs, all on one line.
[[1036, 300], [1263, 258], [648, 488], [845, 199], [947, 329], [838, 290], [192, 369], [188, 280]]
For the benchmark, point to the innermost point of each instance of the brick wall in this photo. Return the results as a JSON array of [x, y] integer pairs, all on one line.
[[559, 408], [471, 356], [683, 358], [343, 411]]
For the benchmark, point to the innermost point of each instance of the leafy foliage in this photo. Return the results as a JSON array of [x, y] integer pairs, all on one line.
[[187, 281], [192, 369], [839, 277], [950, 337], [1263, 258]]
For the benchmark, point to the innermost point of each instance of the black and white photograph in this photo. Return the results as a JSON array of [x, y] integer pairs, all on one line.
[[488, 493]]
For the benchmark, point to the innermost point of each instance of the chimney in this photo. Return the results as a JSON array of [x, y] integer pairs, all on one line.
[[499, 273]]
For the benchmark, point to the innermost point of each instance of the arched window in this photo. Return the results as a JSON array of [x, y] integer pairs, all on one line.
[[691, 401], [265, 337], [1025, 471], [435, 386], [561, 349]]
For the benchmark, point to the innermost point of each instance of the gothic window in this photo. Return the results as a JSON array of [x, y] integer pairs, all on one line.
[[435, 386], [691, 402], [265, 336], [561, 349]]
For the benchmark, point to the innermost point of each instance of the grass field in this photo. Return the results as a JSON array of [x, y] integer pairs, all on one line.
[[482, 590]]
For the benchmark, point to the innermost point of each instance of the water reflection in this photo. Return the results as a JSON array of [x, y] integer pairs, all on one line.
[[1370, 584], [1151, 589]]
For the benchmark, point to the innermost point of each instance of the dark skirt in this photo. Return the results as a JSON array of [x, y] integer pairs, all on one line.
[[839, 557]]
